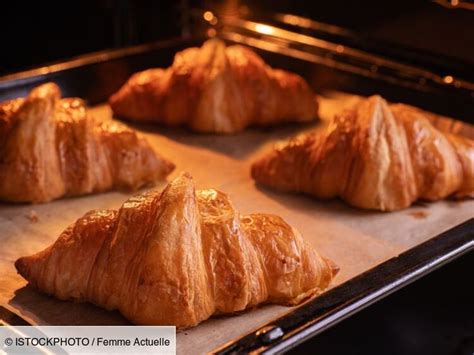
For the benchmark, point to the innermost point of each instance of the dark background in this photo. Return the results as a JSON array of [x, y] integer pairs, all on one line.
[[434, 315], [34, 33]]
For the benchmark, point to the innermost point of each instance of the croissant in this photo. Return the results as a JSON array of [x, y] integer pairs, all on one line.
[[51, 147], [374, 156], [216, 89], [177, 258]]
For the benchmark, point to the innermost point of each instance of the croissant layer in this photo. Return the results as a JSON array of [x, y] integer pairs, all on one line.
[[216, 89], [51, 147], [177, 258], [374, 156]]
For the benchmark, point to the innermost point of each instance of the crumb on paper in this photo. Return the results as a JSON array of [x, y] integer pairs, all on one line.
[[33, 216], [419, 214]]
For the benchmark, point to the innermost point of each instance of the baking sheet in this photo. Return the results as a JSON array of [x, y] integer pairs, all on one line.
[[356, 240]]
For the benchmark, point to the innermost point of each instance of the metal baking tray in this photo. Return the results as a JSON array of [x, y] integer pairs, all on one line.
[[328, 68]]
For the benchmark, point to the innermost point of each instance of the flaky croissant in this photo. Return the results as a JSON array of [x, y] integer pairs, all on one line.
[[51, 147], [216, 89], [374, 156], [177, 258]]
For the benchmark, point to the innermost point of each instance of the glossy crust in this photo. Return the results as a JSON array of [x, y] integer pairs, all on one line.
[[216, 89], [51, 147], [177, 258], [374, 156]]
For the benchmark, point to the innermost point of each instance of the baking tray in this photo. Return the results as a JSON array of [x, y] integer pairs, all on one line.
[[375, 257]]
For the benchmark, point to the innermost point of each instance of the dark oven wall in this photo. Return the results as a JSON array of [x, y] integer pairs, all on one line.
[[34, 33]]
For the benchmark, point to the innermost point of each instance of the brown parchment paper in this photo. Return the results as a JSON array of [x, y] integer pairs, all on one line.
[[355, 239]]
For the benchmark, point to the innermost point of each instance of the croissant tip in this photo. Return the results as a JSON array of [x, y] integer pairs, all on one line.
[[169, 167], [376, 97], [46, 90], [215, 41], [185, 175], [255, 169], [378, 100], [111, 102], [22, 267], [333, 267]]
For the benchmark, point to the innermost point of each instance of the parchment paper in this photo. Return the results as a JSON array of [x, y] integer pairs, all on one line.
[[355, 239]]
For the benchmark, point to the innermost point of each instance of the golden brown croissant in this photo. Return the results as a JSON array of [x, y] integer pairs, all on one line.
[[375, 156], [51, 147], [177, 258], [216, 89]]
